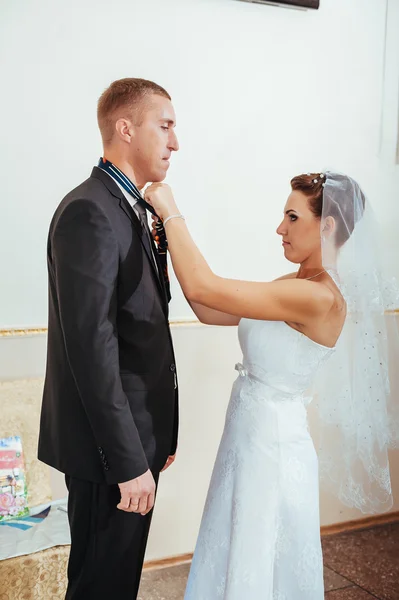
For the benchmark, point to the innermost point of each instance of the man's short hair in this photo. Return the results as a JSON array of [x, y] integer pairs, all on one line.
[[124, 96]]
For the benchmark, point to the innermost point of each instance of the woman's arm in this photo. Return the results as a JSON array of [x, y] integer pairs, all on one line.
[[294, 300], [206, 315], [209, 316]]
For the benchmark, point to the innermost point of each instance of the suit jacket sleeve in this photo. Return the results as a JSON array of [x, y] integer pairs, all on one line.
[[85, 260]]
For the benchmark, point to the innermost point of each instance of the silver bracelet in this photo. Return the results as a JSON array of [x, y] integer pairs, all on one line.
[[173, 217]]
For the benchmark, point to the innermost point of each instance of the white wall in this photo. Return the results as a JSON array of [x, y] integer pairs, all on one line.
[[261, 94]]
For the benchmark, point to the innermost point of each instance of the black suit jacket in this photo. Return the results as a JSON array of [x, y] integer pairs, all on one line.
[[109, 407]]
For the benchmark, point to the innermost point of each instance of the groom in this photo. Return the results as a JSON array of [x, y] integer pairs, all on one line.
[[109, 414]]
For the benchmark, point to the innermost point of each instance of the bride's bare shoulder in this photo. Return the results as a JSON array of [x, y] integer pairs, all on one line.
[[288, 276]]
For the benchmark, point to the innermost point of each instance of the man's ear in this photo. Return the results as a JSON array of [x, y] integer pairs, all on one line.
[[124, 129]]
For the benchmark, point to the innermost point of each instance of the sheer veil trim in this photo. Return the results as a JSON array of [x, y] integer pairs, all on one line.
[[358, 416]]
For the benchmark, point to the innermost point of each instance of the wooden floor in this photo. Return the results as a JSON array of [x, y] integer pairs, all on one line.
[[358, 565]]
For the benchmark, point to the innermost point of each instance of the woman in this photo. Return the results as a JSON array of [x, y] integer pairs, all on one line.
[[260, 531]]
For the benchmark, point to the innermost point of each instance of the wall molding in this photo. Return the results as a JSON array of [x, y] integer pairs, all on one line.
[[14, 332], [23, 332]]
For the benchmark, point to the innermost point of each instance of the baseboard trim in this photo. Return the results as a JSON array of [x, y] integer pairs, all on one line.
[[172, 561], [325, 530], [363, 523]]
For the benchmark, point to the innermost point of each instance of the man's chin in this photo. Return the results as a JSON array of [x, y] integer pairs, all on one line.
[[159, 177]]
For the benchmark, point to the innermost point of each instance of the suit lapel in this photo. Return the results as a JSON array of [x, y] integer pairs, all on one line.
[[115, 190]]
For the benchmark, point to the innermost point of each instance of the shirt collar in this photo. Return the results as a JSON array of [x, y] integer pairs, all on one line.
[[132, 201]]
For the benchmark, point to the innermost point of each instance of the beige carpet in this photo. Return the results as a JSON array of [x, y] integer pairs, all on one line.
[[164, 584]]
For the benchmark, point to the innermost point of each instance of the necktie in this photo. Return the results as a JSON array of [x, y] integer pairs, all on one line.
[[146, 231]]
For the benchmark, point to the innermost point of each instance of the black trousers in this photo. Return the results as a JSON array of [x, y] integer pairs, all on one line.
[[107, 544]]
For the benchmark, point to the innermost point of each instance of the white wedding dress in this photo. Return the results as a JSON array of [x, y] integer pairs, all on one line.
[[260, 532]]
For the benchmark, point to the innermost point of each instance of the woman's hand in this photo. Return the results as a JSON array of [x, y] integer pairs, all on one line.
[[160, 196]]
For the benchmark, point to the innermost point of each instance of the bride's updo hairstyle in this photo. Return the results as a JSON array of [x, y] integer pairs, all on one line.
[[341, 206]]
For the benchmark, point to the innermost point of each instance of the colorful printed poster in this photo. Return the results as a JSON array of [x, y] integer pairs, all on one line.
[[13, 490]]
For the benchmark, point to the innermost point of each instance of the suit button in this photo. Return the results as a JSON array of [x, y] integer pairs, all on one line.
[[172, 368]]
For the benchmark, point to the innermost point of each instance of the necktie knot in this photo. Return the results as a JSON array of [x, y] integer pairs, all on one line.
[[144, 224], [140, 208], [142, 213]]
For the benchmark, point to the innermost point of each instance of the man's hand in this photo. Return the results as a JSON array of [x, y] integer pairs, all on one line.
[[138, 495], [170, 461]]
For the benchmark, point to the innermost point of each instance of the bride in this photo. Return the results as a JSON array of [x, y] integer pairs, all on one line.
[[260, 532]]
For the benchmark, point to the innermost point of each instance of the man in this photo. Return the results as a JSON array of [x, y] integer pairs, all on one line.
[[109, 414]]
